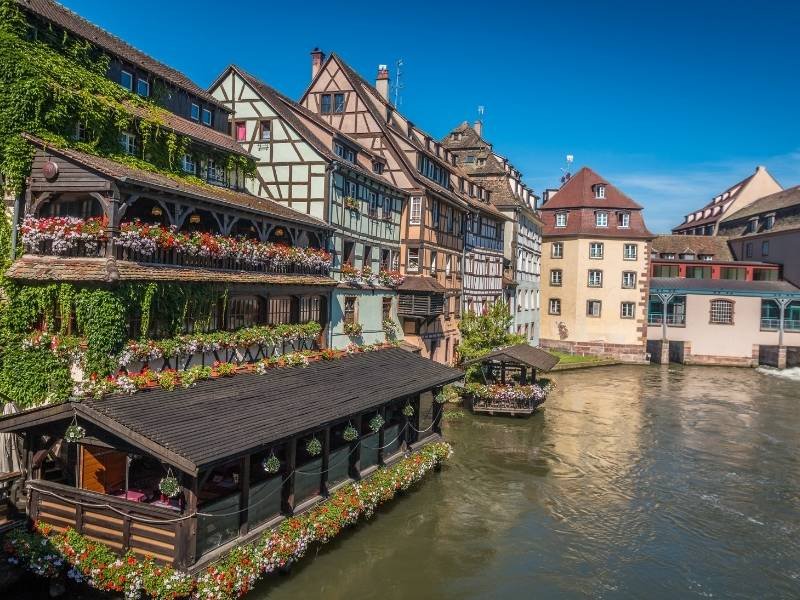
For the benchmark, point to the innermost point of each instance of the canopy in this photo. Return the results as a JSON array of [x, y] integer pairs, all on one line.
[[521, 354]]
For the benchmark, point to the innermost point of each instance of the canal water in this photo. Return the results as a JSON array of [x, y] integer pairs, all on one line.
[[633, 482]]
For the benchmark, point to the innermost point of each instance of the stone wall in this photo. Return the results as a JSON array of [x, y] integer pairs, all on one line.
[[628, 353]]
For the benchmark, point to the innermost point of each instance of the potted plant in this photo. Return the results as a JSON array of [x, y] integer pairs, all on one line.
[[408, 410], [376, 422], [271, 464], [351, 203], [169, 486], [353, 329], [350, 433], [74, 432], [313, 447]]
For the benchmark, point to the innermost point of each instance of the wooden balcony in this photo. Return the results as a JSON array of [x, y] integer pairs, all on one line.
[[420, 305]]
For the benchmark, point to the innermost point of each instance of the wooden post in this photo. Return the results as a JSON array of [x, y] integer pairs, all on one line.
[[244, 496], [355, 455], [437, 417], [287, 500], [189, 529], [382, 436], [503, 372], [326, 459], [523, 375]]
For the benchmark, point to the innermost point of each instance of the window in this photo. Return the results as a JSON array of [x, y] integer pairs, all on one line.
[[241, 131], [721, 312], [433, 262], [206, 117], [338, 103], [385, 259], [593, 308], [433, 171], [244, 312], [769, 223], [367, 259], [596, 250], [350, 309], [666, 270], [395, 261], [413, 260], [126, 80], [737, 273], [599, 191], [448, 265], [624, 219], [748, 250], [435, 213], [693, 272], [386, 211], [325, 103], [81, 133], [143, 87], [556, 276], [554, 306], [127, 142], [706, 257], [595, 278], [557, 250], [415, 210], [265, 131], [188, 164], [627, 310], [629, 279], [752, 225], [561, 219], [345, 152], [387, 307], [215, 173], [348, 252], [377, 167], [765, 274], [195, 112], [630, 251], [601, 219], [309, 309], [765, 248], [372, 209], [279, 310]]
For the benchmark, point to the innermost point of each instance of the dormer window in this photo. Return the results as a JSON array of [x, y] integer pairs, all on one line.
[[769, 222], [481, 161], [206, 117], [601, 219], [600, 191], [346, 153], [752, 225], [377, 167], [126, 80], [143, 87], [561, 219], [128, 143], [624, 219]]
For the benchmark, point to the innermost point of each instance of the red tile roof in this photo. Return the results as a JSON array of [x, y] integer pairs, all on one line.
[[578, 192]]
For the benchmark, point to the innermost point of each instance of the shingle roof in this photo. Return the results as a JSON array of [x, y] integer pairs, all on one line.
[[718, 205], [178, 185], [721, 286], [778, 201], [108, 270], [421, 283], [578, 192], [248, 411], [693, 244], [77, 25], [521, 353]]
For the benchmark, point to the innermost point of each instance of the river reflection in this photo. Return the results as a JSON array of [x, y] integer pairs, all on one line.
[[634, 482]]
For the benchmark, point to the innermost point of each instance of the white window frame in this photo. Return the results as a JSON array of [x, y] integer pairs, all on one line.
[[599, 191], [561, 219], [556, 277], [627, 255], [415, 210], [592, 313], [595, 278], [194, 112], [127, 142], [601, 219], [413, 267], [624, 313], [560, 253], [130, 77], [629, 274], [717, 315], [625, 220], [146, 84], [188, 164], [596, 246], [554, 306], [203, 120]]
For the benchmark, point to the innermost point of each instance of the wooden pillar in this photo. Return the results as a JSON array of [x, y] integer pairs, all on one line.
[[438, 409], [382, 436], [287, 500], [244, 496], [326, 459], [355, 455], [523, 375], [503, 372], [189, 531]]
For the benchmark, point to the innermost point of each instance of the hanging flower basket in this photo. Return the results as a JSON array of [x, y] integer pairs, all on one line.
[[351, 203], [376, 422], [350, 433], [169, 486], [314, 447], [353, 329], [74, 433], [408, 410], [271, 464]]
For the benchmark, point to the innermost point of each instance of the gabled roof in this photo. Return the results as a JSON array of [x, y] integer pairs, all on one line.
[[693, 244], [222, 418], [579, 192], [178, 185], [421, 283], [77, 25], [784, 199], [469, 139], [523, 354]]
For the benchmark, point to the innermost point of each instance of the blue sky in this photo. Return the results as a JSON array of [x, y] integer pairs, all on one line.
[[671, 101]]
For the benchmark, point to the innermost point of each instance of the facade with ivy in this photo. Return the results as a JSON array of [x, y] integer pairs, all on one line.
[[304, 163]]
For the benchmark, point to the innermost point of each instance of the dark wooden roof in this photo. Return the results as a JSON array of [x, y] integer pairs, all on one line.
[[522, 354], [421, 283], [178, 185], [227, 417], [77, 25]]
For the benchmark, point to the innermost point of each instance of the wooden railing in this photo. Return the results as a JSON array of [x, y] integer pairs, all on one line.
[[420, 305], [120, 524]]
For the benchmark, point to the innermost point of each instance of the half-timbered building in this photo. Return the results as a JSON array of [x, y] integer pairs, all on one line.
[[434, 219], [306, 164], [522, 239]]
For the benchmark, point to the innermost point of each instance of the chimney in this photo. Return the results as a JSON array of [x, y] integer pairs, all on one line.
[[382, 82], [317, 58], [478, 127]]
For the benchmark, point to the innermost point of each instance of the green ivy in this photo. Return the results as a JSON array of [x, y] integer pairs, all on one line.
[[30, 376], [100, 315]]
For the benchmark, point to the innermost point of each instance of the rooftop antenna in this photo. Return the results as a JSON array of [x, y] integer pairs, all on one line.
[[398, 85], [566, 170]]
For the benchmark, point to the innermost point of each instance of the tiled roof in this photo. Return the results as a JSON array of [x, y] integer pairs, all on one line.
[[77, 25], [56, 268], [581, 222], [204, 134], [522, 354], [693, 244], [469, 139], [578, 192], [178, 185], [717, 286], [784, 199], [421, 283]]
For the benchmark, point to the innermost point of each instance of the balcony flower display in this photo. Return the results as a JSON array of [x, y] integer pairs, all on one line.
[[63, 233], [353, 329], [351, 203], [390, 278], [509, 394], [367, 276]]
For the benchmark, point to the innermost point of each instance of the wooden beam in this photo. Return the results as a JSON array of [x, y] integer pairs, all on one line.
[[326, 459], [244, 497], [287, 495], [355, 455]]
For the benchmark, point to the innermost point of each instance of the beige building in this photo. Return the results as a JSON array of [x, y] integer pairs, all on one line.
[[594, 270]]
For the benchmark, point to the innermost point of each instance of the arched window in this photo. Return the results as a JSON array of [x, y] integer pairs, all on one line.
[[721, 312]]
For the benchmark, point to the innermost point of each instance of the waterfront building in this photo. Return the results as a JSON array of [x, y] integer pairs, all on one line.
[[443, 274], [768, 230], [706, 220], [595, 255], [522, 249], [306, 164]]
